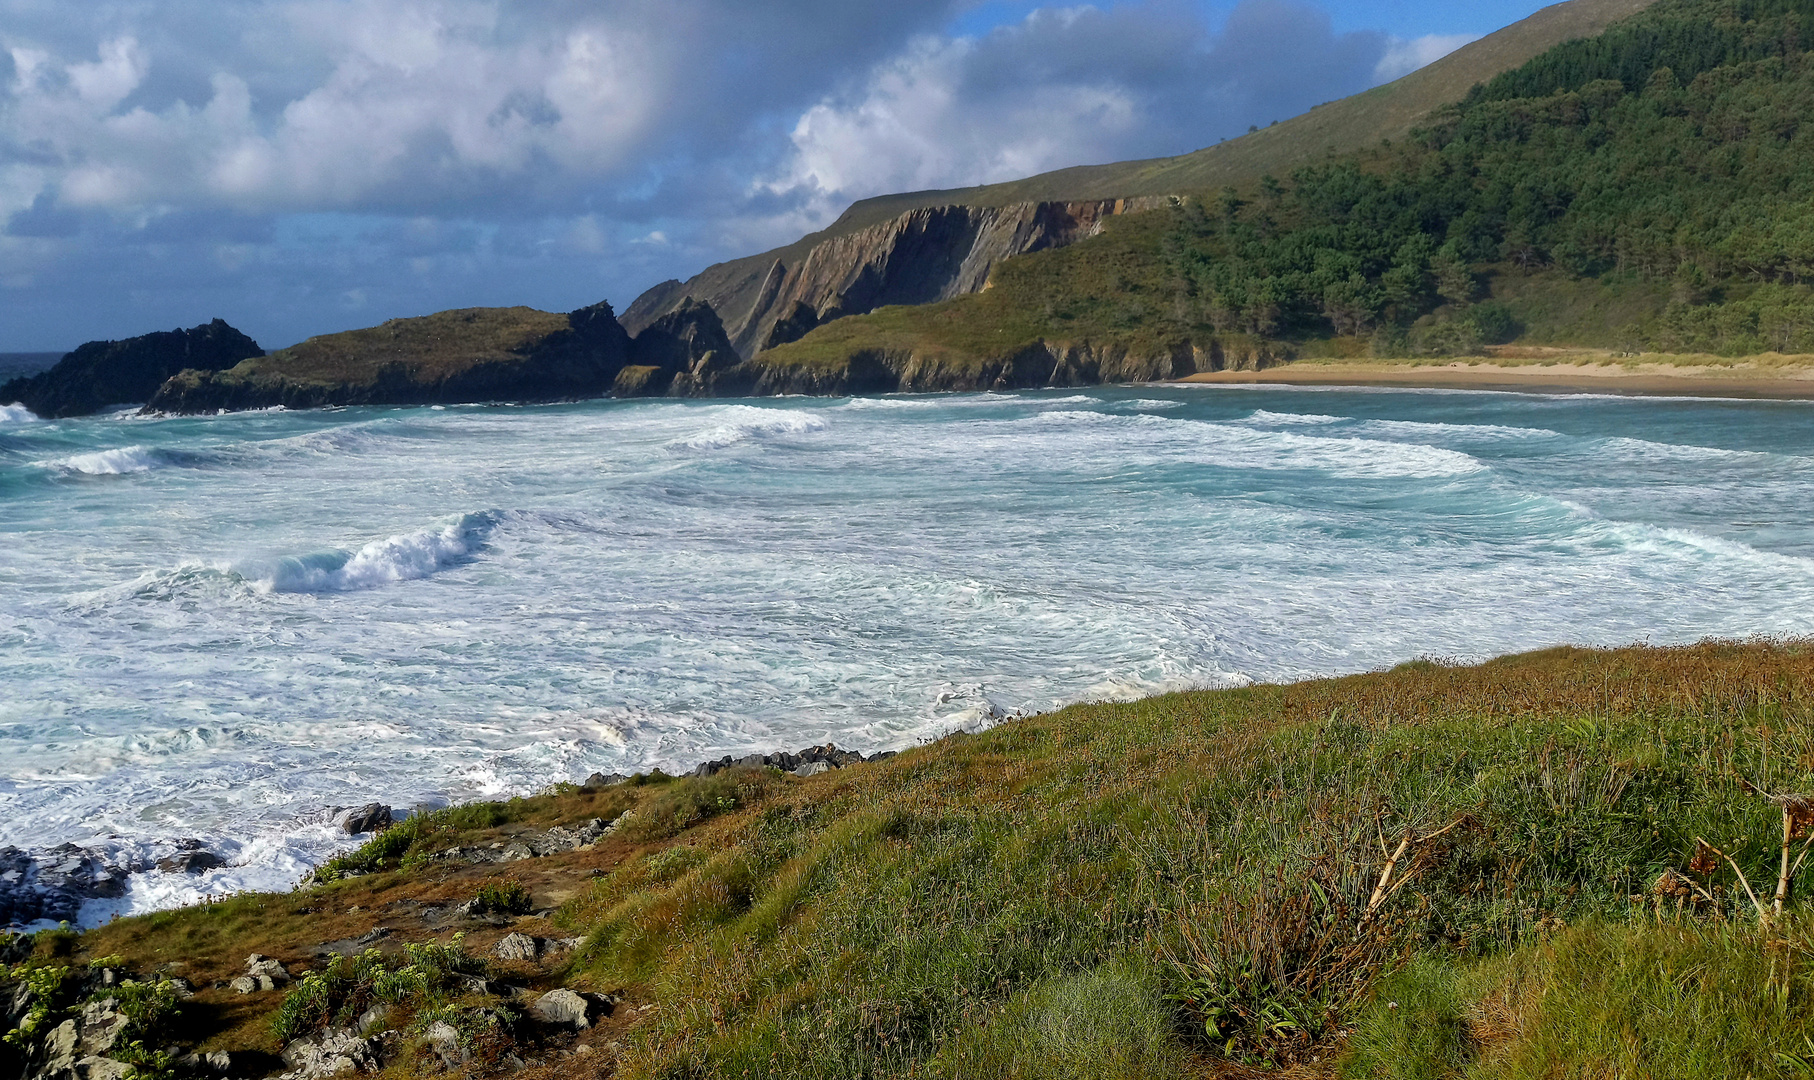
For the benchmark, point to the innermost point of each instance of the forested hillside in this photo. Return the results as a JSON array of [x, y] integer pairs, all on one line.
[[1648, 188]]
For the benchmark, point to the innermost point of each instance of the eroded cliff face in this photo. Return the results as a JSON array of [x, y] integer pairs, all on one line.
[[1039, 365], [920, 257]]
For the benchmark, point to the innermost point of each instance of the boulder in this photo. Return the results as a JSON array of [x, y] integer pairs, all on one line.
[[259, 965], [372, 817], [58, 1054], [568, 1008], [517, 947], [812, 768], [601, 781], [95, 1067], [102, 1026], [444, 1040], [15, 1002], [330, 1053], [189, 862]]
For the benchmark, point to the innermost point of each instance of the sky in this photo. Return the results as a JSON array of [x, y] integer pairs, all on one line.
[[299, 167]]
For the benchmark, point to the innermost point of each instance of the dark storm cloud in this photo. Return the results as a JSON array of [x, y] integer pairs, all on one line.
[[303, 165]]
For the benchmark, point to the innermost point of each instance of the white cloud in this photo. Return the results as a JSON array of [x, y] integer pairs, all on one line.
[[1403, 57], [1078, 86]]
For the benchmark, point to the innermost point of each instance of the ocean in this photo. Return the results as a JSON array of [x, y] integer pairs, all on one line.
[[222, 627]]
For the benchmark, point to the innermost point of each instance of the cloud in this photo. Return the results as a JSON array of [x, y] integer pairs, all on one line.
[[274, 160], [1073, 87], [1403, 57]]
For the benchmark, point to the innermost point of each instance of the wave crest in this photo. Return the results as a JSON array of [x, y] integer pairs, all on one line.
[[17, 414], [746, 422], [406, 557], [126, 459]]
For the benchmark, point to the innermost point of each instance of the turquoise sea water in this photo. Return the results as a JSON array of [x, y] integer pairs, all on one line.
[[217, 627]]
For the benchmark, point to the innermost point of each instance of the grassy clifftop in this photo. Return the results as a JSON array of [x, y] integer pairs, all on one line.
[[1492, 871]]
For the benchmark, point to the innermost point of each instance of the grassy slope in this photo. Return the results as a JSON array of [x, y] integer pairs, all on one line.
[[1386, 112], [1090, 892], [430, 348]]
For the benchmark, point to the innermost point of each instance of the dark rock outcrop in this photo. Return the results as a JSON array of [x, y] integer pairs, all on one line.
[[686, 353], [471, 355], [54, 884], [103, 373], [372, 817]]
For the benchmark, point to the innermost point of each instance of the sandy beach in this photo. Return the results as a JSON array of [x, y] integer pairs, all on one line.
[[1556, 371]]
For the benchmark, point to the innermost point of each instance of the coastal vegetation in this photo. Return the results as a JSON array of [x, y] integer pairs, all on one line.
[[1643, 189], [1569, 863]]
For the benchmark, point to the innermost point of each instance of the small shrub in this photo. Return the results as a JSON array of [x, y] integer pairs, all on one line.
[[339, 994], [507, 897]]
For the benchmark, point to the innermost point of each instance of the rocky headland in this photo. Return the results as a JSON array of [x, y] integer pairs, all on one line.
[[103, 373]]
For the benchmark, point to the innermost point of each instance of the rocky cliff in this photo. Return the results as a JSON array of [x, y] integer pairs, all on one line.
[[922, 256], [103, 373], [469, 355]]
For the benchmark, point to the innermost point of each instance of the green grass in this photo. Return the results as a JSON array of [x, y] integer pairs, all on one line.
[[1188, 858], [1185, 886]]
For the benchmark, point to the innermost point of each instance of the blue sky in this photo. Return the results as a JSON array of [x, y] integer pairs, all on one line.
[[303, 166]]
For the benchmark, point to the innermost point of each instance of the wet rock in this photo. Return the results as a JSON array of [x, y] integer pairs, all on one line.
[[189, 862], [330, 1053], [54, 884], [568, 1008], [103, 373], [372, 817], [517, 947]]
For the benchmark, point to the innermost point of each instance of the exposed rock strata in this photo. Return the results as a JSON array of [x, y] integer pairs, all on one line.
[[103, 373], [922, 256]]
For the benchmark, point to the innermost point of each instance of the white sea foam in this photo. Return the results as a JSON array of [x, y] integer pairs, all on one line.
[[1238, 446], [870, 581], [406, 557], [126, 459], [741, 423], [1266, 416], [16, 414], [862, 403]]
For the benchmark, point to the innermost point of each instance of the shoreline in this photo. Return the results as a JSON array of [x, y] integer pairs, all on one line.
[[1563, 373]]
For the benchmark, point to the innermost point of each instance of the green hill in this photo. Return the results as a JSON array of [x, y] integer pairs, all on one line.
[[1648, 188]]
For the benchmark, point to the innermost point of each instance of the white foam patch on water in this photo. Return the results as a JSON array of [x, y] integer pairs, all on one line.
[[889, 403], [16, 414], [1645, 451], [1417, 429], [120, 462], [1264, 416], [742, 423], [406, 557], [1241, 447]]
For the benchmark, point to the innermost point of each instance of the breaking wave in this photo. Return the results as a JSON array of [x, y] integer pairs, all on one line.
[[126, 459], [746, 422], [407, 557], [16, 414]]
